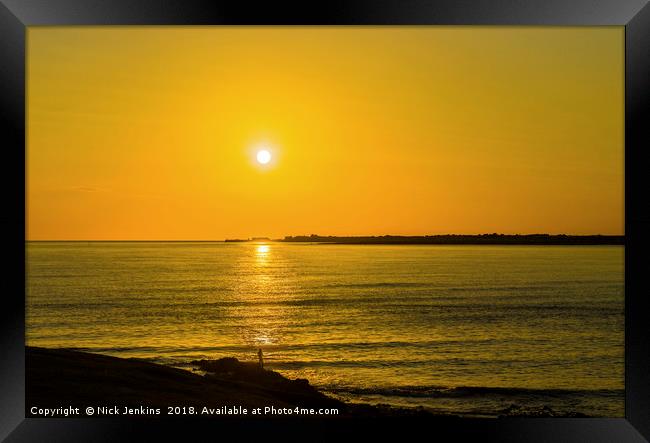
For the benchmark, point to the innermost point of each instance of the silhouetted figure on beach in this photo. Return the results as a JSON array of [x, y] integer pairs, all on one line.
[[260, 357]]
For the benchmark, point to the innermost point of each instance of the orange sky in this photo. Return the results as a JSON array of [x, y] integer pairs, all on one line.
[[151, 132]]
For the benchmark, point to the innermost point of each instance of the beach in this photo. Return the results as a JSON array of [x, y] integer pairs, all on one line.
[[62, 382]]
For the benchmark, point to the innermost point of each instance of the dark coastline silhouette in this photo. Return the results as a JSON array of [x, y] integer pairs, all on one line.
[[56, 377]]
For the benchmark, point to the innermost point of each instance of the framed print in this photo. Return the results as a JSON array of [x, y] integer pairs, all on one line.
[[301, 221]]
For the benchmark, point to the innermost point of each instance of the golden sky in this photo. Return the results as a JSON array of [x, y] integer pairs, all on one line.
[[151, 132]]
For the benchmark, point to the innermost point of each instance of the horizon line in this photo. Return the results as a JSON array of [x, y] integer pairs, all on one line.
[[260, 238]]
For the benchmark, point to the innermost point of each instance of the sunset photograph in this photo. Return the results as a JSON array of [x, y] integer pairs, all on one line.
[[339, 221]]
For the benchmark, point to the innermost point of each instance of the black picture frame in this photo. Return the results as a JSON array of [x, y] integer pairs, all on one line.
[[634, 15]]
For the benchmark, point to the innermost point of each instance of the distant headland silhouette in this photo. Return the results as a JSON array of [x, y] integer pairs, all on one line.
[[461, 239]]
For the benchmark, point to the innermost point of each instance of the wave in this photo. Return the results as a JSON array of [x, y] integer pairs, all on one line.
[[376, 285], [378, 347], [471, 391], [288, 347]]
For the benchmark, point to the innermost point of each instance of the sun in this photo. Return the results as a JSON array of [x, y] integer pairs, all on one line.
[[263, 156]]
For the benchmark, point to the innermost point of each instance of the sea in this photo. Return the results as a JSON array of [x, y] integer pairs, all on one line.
[[454, 329]]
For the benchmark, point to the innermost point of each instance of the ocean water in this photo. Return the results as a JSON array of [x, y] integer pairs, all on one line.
[[466, 329]]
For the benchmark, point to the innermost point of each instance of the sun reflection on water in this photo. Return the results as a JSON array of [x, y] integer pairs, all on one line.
[[262, 284]]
